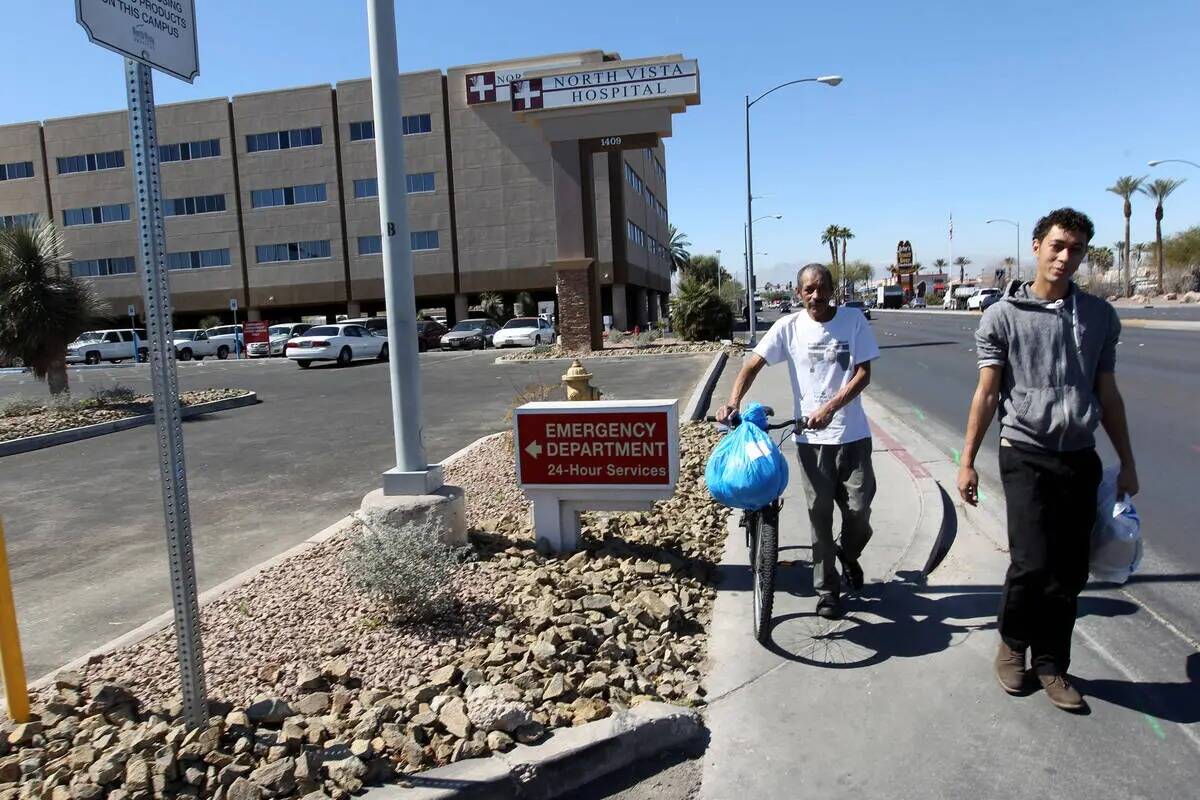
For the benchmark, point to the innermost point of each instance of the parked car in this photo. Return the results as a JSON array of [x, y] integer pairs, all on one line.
[[115, 345], [990, 300], [277, 337], [193, 343], [866, 312], [975, 301], [785, 307], [470, 334], [343, 343], [429, 334], [440, 319], [226, 339], [917, 302], [376, 325], [524, 332]]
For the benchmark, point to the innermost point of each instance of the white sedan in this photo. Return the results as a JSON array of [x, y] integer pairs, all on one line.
[[341, 343], [524, 332]]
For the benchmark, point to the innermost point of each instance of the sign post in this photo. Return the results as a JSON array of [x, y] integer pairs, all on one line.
[[604, 455], [160, 35], [237, 338], [133, 329]]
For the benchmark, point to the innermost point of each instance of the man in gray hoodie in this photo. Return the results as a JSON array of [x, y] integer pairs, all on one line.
[[1047, 360]]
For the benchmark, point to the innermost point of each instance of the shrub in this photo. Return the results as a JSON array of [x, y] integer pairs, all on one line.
[[698, 313], [534, 393], [410, 569], [117, 395], [615, 336], [211, 321], [1182, 280], [646, 337], [20, 407]]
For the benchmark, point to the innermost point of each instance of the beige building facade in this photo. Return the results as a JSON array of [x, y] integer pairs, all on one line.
[[271, 199]]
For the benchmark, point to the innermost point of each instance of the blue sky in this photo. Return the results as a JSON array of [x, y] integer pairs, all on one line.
[[1003, 109]]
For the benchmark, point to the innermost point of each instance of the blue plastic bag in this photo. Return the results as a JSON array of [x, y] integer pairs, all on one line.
[[746, 469], [1117, 536]]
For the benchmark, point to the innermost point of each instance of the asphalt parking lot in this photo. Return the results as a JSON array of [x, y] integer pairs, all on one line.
[[84, 521]]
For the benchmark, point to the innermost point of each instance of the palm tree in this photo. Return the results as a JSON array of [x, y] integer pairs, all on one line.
[[830, 236], [1125, 187], [940, 264], [1099, 258], [678, 244], [845, 235], [42, 309], [1159, 190], [491, 304], [1009, 264], [962, 262]]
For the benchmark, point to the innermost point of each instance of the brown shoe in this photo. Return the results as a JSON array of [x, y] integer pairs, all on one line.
[[1010, 669], [1062, 693]]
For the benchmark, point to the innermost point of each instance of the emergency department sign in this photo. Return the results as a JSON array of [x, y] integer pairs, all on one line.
[[602, 86], [158, 33]]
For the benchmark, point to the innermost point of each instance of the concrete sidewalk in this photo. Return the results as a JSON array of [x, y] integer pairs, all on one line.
[[899, 700]]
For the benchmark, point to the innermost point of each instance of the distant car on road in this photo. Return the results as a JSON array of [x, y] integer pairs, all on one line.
[[524, 332], [277, 339], [470, 334], [226, 339], [429, 334], [192, 343], [116, 345], [342, 343], [860, 305], [976, 301], [917, 302], [785, 307]]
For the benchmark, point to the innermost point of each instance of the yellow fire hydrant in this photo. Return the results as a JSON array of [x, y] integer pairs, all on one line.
[[578, 383]]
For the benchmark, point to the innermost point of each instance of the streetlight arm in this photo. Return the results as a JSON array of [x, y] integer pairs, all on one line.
[[780, 86], [1174, 161]]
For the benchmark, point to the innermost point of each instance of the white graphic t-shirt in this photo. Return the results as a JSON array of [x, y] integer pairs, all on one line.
[[821, 358]]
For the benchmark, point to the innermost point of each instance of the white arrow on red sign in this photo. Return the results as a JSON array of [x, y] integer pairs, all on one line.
[[534, 449]]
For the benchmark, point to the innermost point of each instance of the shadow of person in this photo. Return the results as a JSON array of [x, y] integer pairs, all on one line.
[[901, 619], [1173, 702]]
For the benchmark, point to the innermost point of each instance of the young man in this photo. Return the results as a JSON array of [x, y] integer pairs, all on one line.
[[1047, 353], [828, 352]]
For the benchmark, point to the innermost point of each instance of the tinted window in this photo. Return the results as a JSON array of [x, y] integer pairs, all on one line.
[[126, 336], [112, 336], [522, 322], [201, 336], [323, 330], [469, 325], [352, 330]]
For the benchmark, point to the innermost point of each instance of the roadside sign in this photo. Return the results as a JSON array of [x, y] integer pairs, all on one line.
[[233, 304], [606, 444], [601, 86], [159, 34], [132, 312], [634, 141], [256, 331]]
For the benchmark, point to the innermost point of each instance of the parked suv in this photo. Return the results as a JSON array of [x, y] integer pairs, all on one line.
[[114, 345], [377, 326], [226, 339]]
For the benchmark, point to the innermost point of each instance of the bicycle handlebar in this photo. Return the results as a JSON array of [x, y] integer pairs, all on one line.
[[801, 422]]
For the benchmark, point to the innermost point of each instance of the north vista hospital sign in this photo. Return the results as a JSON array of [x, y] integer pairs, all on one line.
[[600, 86]]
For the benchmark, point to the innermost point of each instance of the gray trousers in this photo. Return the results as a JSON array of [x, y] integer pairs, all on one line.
[[842, 474]]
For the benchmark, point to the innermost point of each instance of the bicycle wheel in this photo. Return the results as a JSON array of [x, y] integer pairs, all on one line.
[[764, 558]]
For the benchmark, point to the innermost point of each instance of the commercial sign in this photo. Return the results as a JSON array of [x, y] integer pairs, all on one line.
[[495, 86], [576, 448], [158, 33], [256, 331], [904, 254], [602, 86]]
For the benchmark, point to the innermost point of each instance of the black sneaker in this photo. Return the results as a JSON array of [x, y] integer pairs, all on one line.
[[851, 570], [829, 605]]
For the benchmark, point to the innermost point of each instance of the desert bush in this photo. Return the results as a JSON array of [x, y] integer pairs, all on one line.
[[534, 393], [115, 395], [410, 569], [698, 313], [20, 407], [616, 336]]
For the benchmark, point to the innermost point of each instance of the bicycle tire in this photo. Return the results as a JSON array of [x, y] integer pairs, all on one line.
[[764, 560]]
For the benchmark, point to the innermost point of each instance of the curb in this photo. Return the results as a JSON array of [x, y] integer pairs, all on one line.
[[28, 444], [698, 404], [503, 360], [570, 759], [163, 620]]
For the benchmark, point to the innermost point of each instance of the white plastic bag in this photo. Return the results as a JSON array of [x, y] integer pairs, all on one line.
[[1117, 535]]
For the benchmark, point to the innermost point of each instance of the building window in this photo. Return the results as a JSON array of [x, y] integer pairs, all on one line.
[[187, 206], [292, 251], [366, 187], [360, 131], [91, 162], [199, 259], [418, 182], [18, 169], [417, 123], [634, 179], [189, 151], [635, 234], [99, 267], [424, 240], [96, 215], [17, 220], [288, 196], [660, 170], [283, 140], [370, 245]]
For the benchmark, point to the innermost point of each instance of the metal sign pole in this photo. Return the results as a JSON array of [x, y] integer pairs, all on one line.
[[144, 141]]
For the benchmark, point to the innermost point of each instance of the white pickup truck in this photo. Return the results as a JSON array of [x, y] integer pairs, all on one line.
[[116, 345], [193, 343]]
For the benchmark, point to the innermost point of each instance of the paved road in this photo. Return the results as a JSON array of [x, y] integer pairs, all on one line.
[[84, 521], [928, 369]]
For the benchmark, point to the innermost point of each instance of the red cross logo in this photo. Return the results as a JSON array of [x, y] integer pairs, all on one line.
[[527, 94], [481, 88]]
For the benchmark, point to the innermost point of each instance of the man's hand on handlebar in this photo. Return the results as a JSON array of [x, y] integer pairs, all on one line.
[[725, 412]]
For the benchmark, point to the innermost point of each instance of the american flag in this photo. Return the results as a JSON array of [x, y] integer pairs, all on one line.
[[952, 226]]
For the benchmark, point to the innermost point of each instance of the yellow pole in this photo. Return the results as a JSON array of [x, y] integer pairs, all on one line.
[[16, 692]]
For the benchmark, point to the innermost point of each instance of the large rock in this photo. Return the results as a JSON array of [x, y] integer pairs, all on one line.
[[279, 777], [269, 711], [453, 716], [243, 789], [489, 711], [308, 678], [312, 705], [22, 735], [347, 773], [384, 514]]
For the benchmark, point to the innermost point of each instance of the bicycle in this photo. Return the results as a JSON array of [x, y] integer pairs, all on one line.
[[762, 538]]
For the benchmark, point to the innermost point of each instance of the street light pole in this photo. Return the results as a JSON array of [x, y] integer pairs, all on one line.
[[828, 80], [1016, 225], [1173, 161]]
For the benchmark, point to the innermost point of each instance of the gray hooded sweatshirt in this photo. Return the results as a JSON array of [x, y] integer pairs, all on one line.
[[1051, 353]]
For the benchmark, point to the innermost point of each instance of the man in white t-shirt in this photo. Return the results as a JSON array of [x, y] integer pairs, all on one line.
[[828, 352]]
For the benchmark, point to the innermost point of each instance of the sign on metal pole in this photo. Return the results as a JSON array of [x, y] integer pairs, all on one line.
[[233, 304], [159, 34]]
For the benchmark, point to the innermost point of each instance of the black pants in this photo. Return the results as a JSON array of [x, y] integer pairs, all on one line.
[[1051, 501]]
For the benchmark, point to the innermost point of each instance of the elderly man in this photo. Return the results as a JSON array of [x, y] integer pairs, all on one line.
[[828, 351]]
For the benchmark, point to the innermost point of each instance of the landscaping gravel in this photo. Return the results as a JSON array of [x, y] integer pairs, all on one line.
[[619, 351], [317, 690], [50, 418]]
